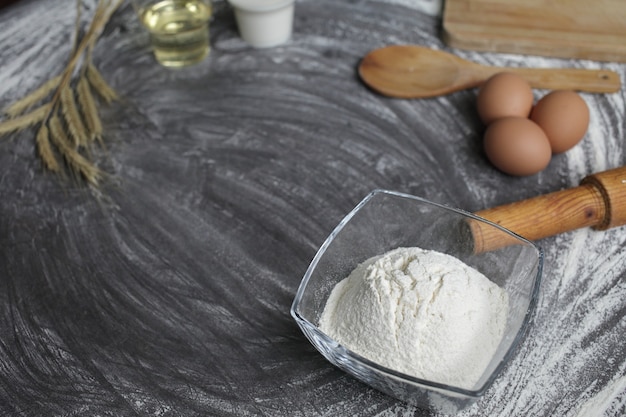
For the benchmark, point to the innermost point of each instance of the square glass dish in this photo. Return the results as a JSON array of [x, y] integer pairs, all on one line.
[[387, 220]]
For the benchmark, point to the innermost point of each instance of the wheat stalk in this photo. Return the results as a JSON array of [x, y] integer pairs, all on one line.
[[22, 122], [89, 109], [44, 149], [100, 85], [76, 105], [78, 164], [33, 98], [72, 117]]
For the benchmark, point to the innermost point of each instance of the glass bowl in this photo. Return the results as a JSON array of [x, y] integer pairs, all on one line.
[[386, 220]]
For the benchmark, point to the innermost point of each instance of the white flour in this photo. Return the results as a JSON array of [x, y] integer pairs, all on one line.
[[422, 313]]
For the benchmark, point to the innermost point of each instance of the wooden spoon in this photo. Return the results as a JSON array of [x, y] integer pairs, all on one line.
[[410, 71]]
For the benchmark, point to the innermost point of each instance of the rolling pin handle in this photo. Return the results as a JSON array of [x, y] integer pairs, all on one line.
[[612, 187], [598, 202]]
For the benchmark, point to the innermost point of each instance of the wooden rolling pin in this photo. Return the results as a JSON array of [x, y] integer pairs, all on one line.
[[599, 202]]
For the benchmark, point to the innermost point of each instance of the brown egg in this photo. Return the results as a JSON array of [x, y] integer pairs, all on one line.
[[504, 95], [517, 146], [564, 116]]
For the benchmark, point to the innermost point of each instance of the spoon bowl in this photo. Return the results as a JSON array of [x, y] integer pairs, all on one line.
[[411, 71]]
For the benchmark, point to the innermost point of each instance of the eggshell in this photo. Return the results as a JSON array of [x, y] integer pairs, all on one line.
[[504, 95], [517, 146], [564, 117]]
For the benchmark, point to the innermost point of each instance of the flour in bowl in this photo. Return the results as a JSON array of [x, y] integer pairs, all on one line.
[[419, 312]]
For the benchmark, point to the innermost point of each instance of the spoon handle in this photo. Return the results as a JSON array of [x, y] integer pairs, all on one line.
[[592, 81]]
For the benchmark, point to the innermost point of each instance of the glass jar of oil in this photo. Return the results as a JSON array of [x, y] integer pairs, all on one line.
[[179, 29]]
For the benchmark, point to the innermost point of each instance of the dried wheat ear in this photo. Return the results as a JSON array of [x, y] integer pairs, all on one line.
[[65, 108]]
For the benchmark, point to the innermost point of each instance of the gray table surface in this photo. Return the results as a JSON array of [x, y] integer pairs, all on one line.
[[169, 293]]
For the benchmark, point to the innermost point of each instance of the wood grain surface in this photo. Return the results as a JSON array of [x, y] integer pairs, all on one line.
[[577, 29], [168, 293]]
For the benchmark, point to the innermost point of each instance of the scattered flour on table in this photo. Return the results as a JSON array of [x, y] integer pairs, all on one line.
[[419, 312]]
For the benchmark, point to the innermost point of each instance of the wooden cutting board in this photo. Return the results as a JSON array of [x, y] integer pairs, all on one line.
[[582, 29]]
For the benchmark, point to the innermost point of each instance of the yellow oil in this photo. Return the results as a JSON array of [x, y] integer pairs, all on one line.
[[179, 31]]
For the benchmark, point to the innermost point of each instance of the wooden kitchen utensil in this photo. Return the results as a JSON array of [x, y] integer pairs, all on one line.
[[599, 202], [579, 29], [411, 71]]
